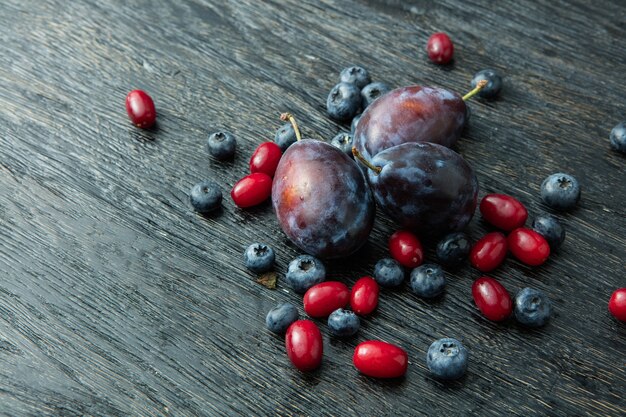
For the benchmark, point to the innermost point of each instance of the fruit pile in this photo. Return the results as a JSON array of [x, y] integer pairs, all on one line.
[[325, 202]]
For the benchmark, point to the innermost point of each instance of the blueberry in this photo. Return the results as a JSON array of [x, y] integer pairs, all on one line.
[[280, 317], [259, 257], [343, 141], [344, 102], [355, 122], [285, 136], [205, 196], [560, 191], [494, 83], [550, 228], [343, 323], [372, 91], [453, 248], [428, 280], [388, 273], [222, 145], [618, 137], [447, 359], [355, 75], [304, 272], [532, 307]]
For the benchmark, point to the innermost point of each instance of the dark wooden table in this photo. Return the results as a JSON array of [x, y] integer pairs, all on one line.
[[116, 299]]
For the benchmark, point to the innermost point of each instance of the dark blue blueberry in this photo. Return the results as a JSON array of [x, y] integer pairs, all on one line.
[[343, 323], [280, 317], [532, 307], [344, 102], [222, 145], [388, 273], [355, 122], [447, 359], [453, 249], [560, 191], [428, 280], [259, 257], [304, 272], [372, 91], [343, 141], [618, 137], [205, 196], [551, 229], [494, 83], [285, 136], [355, 75]]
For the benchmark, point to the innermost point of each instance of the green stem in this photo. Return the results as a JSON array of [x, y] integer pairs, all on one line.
[[481, 84], [289, 117], [365, 162]]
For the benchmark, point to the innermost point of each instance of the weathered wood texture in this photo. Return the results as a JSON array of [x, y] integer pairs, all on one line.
[[116, 299]]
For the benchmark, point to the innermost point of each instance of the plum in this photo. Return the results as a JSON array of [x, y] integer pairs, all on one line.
[[424, 187], [322, 199]]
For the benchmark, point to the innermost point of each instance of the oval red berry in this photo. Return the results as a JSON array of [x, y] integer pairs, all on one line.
[[265, 158], [364, 296], [440, 48], [140, 109], [617, 304], [503, 211], [489, 252], [528, 246], [303, 341], [492, 299], [380, 359], [322, 299], [406, 248], [252, 190]]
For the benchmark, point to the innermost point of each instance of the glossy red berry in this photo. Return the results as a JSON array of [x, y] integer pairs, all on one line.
[[252, 189], [303, 341], [265, 159], [322, 299], [406, 248], [492, 299], [617, 304], [528, 246], [140, 109], [364, 296], [440, 48], [503, 211], [380, 359], [489, 252]]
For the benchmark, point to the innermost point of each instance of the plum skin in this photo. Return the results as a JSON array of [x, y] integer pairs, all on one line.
[[425, 187], [410, 114], [322, 200]]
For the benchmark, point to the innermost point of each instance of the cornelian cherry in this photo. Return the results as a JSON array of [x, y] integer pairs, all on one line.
[[492, 299], [303, 342], [322, 299], [528, 246], [252, 189], [406, 248], [617, 304], [140, 109], [440, 48], [265, 158], [380, 359], [503, 211], [364, 296], [489, 252]]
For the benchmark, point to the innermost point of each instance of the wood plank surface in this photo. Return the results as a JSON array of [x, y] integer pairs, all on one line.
[[117, 300]]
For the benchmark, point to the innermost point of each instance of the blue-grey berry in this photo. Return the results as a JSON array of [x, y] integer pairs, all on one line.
[[343, 323], [285, 136], [259, 257], [560, 191], [388, 273], [447, 359], [453, 249], [304, 272], [344, 102], [221, 145], [551, 229], [427, 280], [618, 137], [355, 75], [280, 317], [343, 141], [532, 307], [372, 91], [205, 196], [494, 83]]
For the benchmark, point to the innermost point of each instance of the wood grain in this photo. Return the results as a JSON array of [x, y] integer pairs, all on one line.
[[116, 299]]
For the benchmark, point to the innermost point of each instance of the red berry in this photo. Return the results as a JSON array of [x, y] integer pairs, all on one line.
[[303, 341], [492, 299], [406, 248], [380, 359], [617, 304], [322, 299], [265, 159], [364, 296], [489, 252], [503, 211], [252, 189], [528, 246], [140, 109], [440, 48]]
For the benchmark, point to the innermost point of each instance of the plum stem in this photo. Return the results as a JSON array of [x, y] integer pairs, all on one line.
[[481, 84], [364, 161], [289, 117]]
